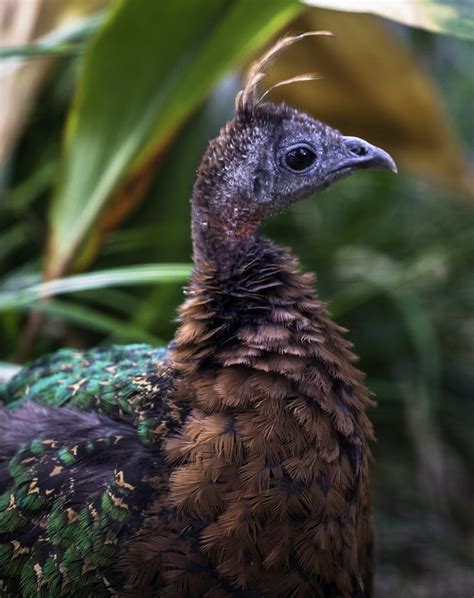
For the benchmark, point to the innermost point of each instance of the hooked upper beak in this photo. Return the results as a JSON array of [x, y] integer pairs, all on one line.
[[359, 154]]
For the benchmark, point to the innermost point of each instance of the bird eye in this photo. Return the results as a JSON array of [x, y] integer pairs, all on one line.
[[300, 158]]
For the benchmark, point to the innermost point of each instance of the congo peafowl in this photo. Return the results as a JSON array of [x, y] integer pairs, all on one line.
[[231, 463]]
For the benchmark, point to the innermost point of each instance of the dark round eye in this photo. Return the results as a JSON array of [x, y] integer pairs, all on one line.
[[300, 158]]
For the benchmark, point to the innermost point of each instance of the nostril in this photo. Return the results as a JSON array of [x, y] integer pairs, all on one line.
[[358, 153], [358, 149]]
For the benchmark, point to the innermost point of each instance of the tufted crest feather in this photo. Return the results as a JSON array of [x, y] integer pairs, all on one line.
[[247, 98]]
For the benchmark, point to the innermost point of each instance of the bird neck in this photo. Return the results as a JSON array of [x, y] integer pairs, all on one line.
[[225, 219], [222, 232], [221, 236], [264, 316]]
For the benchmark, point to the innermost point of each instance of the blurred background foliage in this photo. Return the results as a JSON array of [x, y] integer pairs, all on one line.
[[105, 110]]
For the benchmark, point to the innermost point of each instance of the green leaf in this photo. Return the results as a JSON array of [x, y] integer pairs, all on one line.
[[56, 42], [13, 239], [454, 17], [114, 300], [419, 327], [30, 188], [130, 275], [142, 75], [376, 275], [92, 319]]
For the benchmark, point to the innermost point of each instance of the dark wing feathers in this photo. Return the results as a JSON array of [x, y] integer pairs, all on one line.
[[71, 493], [78, 445]]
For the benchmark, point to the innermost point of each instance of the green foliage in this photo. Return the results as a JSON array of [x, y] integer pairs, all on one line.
[[455, 17], [63, 41]]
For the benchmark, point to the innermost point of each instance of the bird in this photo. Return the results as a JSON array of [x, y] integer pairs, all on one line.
[[234, 461]]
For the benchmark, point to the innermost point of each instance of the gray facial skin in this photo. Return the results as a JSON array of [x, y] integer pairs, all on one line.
[[262, 162]]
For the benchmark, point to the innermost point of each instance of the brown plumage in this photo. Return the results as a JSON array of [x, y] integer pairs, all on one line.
[[269, 490], [238, 465]]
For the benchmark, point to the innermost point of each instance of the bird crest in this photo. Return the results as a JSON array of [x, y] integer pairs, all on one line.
[[248, 98]]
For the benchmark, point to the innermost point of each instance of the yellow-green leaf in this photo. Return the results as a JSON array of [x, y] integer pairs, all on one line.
[[455, 17]]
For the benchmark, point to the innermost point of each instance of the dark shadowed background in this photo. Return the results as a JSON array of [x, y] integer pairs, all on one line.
[[105, 110]]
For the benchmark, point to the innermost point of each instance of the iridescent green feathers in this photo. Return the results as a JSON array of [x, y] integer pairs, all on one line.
[[101, 379], [72, 493], [79, 442], [123, 382]]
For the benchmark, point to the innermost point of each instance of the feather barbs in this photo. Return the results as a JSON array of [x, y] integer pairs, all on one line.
[[248, 98]]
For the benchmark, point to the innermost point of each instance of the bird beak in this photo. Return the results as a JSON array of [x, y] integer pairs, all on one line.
[[358, 154]]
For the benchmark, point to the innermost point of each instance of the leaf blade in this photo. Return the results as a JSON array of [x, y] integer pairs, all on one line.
[[130, 275], [95, 320], [454, 17]]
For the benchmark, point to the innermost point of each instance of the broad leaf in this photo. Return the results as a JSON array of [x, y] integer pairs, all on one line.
[[142, 75], [455, 17]]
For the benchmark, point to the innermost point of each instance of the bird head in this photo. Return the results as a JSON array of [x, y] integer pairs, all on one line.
[[287, 155], [270, 155]]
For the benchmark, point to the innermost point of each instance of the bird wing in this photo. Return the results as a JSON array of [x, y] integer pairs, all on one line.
[[73, 486], [80, 460], [104, 379]]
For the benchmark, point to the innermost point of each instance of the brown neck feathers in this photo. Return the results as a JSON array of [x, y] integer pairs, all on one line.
[[272, 460]]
